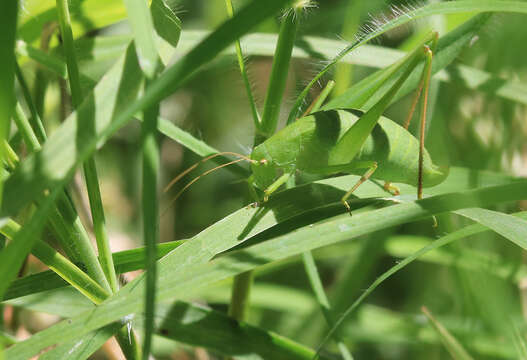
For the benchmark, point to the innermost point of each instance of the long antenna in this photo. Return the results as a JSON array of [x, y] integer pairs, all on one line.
[[205, 159], [199, 177]]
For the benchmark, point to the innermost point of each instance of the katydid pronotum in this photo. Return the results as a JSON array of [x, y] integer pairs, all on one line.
[[348, 141]]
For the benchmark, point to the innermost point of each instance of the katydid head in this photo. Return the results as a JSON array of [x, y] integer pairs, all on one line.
[[263, 168]]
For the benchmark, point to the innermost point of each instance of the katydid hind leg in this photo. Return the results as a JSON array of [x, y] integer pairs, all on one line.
[[427, 73], [371, 167], [418, 91]]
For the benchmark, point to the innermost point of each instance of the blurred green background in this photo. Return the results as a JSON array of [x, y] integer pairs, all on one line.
[[468, 128]]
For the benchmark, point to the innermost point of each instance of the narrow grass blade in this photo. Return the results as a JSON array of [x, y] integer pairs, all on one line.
[[350, 27], [125, 261], [8, 25], [323, 302], [36, 123], [243, 72], [278, 77], [109, 280], [510, 227], [150, 217], [62, 266], [453, 346], [141, 22]]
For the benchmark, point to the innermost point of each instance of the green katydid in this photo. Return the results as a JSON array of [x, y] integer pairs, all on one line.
[[347, 141]]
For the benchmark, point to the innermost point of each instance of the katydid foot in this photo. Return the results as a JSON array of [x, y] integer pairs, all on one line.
[[392, 189]]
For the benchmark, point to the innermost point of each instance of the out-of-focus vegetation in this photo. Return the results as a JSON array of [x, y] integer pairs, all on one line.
[[461, 297]]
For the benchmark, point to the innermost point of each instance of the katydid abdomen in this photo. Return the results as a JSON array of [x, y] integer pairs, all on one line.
[[309, 145]]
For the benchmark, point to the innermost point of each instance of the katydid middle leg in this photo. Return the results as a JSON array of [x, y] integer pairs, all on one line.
[[371, 166]]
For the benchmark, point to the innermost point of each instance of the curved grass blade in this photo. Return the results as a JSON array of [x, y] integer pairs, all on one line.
[[194, 277], [453, 346], [509, 226], [323, 302], [62, 266], [284, 205], [125, 261]]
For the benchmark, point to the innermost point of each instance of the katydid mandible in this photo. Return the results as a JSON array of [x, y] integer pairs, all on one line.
[[347, 141]]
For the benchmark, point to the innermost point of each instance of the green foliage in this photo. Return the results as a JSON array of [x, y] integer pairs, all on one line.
[[309, 280]]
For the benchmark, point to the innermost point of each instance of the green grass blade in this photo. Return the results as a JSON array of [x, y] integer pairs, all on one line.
[[195, 277], [243, 72], [87, 15], [285, 206], [350, 27], [457, 235], [62, 266], [36, 123], [316, 284], [109, 280], [453, 346], [510, 227], [81, 349], [143, 28], [13, 255], [141, 22], [150, 217], [401, 246], [63, 219], [278, 77], [239, 340], [125, 261], [8, 24]]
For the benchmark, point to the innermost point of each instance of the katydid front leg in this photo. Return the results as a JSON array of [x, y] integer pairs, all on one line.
[[274, 186]]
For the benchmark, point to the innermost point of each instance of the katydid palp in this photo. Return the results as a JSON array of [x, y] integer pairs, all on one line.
[[348, 141]]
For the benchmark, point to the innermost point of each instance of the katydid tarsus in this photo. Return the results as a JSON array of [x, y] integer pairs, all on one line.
[[348, 141]]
